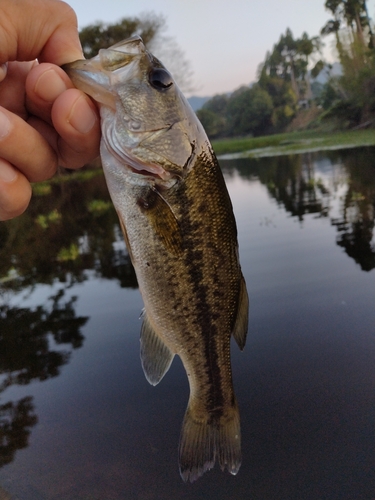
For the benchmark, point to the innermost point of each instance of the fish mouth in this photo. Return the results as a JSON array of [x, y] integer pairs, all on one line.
[[96, 76]]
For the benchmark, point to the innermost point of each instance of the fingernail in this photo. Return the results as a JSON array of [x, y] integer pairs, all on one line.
[[49, 86], [4, 125], [7, 172], [3, 71], [82, 117]]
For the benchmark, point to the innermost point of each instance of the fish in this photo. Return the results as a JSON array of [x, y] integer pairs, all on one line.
[[178, 223]]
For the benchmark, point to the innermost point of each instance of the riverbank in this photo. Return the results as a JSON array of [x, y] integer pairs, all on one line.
[[292, 143]]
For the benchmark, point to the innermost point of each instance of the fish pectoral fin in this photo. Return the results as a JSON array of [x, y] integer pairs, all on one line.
[[163, 220], [125, 234], [242, 319], [156, 357]]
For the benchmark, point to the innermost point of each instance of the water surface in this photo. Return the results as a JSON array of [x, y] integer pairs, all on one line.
[[78, 419]]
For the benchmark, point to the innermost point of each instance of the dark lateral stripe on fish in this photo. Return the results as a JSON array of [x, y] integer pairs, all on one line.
[[206, 316]]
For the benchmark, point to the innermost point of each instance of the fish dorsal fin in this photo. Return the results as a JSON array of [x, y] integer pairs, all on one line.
[[241, 324], [156, 357], [162, 219]]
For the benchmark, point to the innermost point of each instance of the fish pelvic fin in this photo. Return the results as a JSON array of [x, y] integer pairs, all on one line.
[[242, 319], [205, 440], [156, 357]]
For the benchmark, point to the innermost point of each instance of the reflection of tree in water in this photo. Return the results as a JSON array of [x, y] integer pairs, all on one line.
[[69, 233], [298, 189], [69, 228], [293, 182], [28, 352], [16, 419], [356, 224]]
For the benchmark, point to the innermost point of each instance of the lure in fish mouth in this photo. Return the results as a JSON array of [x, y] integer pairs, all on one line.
[[180, 231]]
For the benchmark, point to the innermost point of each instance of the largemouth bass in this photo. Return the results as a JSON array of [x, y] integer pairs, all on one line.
[[180, 231]]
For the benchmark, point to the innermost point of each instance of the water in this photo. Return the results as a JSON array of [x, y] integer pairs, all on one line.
[[78, 420]]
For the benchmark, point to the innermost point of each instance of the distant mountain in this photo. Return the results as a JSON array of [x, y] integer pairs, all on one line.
[[197, 102]]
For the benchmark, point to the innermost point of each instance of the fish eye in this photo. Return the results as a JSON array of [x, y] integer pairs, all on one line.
[[160, 79]]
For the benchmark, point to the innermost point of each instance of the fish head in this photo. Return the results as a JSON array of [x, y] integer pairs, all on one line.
[[147, 124]]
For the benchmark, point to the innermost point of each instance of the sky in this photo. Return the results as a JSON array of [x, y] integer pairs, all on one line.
[[223, 40]]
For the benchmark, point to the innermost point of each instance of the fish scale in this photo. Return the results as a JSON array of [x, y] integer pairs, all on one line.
[[180, 231]]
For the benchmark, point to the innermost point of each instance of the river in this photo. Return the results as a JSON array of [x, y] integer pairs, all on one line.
[[78, 420]]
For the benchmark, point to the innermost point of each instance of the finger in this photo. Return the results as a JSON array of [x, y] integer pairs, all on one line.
[[22, 146], [15, 191], [12, 88], [44, 83], [50, 96], [51, 36], [76, 120]]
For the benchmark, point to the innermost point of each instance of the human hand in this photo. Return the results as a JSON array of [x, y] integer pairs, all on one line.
[[44, 120]]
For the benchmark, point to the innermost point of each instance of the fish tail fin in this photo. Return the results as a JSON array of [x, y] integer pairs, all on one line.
[[203, 440]]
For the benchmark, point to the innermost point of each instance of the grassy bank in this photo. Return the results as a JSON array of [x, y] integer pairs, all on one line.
[[293, 142]]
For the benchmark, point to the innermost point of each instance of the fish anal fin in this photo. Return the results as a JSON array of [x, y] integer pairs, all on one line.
[[162, 219], [156, 357], [242, 319], [205, 440]]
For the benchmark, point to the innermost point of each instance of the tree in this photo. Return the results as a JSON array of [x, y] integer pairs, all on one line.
[[213, 123], [289, 60], [283, 97], [285, 75], [353, 13], [100, 36], [150, 27], [354, 42], [249, 111], [213, 115]]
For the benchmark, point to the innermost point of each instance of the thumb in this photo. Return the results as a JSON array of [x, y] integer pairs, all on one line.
[[42, 29]]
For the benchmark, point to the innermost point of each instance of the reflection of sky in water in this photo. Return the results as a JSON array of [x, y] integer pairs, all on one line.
[[305, 382]]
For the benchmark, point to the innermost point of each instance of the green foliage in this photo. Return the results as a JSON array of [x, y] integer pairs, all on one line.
[[44, 220], [41, 189], [358, 79], [249, 111], [270, 105], [351, 98], [294, 142], [218, 104], [213, 115], [319, 66], [98, 36], [213, 123], [328, 95], [99, 207], [283, 99], [290, 57], [69, 253]]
